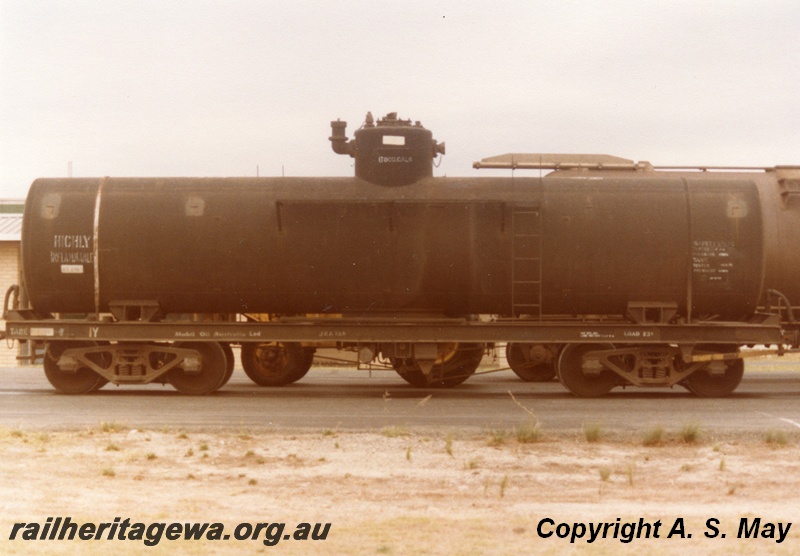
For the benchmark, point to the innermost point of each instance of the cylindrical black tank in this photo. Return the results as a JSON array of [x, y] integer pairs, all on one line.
[[575, 242], [572, 242]]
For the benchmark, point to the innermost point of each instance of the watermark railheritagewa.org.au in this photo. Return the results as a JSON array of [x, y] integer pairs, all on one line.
[[150, 534]]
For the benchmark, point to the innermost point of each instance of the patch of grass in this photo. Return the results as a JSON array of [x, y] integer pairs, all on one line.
[[473, 463], [189, 453], [722, 464], [151, 456], [183, 436], [690, 433], [605, 473], [592, 432], [654, 436], [503, 486], [203, 447], [776, 438], [252, 482], [111, 427], [408, 453], [528, 433], [497, 437], [112, 448], [395, 432], [629, 472], [108, 472], [448, 444]]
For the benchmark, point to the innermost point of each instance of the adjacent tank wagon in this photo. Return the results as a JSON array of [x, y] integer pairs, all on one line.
[[604, 271]]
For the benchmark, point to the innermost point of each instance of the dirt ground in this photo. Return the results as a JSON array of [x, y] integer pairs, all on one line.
[[401, 491]]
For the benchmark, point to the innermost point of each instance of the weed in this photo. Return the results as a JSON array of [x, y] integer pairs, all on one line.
[[722, 464], [472, 463], [503, 486], [112, 448], [687, 467], [690, 433], [592, 432], [629, 473], [249, 454], [776, 437], [110, 427], [394, 432], [605, 473], [528, 433], [108, 472], [654, 436], [408, 453], [151, 456], [252, 482], [497, 437], [189, 453], [203, 447], [448, 444], [183, 436]]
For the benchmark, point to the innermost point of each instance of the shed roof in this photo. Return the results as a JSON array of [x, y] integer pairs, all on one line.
[[10, 227]]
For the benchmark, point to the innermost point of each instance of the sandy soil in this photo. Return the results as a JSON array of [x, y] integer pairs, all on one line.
[[400, 491]]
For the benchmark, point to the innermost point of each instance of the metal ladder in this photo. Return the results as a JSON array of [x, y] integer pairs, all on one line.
[[526, 260]]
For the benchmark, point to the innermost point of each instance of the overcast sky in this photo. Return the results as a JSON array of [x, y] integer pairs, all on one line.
[[219, 88]]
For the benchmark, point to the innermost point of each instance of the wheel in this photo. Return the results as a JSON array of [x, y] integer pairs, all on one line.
[[82, 381], [455, 364], [713, 385], [213, 370], [410, 372], [581, 377], [276, 363], [230, 361], [305, 366], [532, 362]]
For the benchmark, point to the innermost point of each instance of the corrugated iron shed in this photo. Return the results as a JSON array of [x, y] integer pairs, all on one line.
[[10, 227]]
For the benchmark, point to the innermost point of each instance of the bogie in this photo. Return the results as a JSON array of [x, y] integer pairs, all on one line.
[[79, 379]]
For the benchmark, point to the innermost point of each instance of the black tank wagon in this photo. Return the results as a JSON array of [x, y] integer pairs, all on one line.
[[604, 271]]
